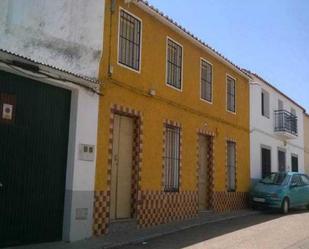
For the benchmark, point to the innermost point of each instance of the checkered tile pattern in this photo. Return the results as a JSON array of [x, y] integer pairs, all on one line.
[[157, 207], [210, 174], [102, 198], [137, 160], [227, 201], [101, 212]]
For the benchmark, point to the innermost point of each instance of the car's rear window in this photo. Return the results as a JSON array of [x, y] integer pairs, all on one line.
[[276, 179], [305, 179]]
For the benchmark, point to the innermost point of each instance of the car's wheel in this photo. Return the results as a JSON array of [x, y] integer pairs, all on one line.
[[285, 206], [254, 207]]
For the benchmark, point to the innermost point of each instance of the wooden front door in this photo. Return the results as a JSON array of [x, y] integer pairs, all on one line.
[[204, 171], [266, 162], [294, 161], [281, 161], [122, 167]]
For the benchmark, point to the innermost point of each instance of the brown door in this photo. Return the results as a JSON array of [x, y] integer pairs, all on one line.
[[122, 167], [281, 161], [203, 188], [266, 162]]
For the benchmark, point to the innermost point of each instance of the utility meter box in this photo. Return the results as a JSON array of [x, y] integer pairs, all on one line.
[[86, 152]]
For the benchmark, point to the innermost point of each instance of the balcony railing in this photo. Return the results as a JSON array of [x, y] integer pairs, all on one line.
[[285, 122]]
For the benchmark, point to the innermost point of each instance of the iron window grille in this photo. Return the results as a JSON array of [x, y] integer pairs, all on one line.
[[206, 81], [230, 94], [285, 122], [231, 166], [129, 41], [171, 158], [174, 64]]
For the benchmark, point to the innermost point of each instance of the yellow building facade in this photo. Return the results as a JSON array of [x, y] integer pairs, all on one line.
[[165, 153]]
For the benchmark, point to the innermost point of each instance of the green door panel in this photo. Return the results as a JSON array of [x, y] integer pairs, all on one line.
[[33, 157]]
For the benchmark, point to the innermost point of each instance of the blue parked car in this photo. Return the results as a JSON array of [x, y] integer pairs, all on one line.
[[281, 190]]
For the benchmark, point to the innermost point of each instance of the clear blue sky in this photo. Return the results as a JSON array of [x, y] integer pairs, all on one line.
[[269, 37]]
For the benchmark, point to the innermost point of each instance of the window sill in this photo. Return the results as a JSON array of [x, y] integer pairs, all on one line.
[[171, 190], [231, 191]]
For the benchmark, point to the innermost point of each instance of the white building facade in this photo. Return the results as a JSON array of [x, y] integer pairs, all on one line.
[[276, 130], [62, 41]]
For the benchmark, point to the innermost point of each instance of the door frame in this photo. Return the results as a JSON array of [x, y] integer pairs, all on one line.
[[210, 165], [137, 155]]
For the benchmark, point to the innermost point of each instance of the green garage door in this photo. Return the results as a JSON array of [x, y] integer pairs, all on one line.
[[34, 125]]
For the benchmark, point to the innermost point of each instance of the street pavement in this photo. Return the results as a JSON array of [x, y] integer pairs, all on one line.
[[261, 231]]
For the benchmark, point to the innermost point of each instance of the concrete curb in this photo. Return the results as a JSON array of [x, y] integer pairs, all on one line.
[[174, 230]]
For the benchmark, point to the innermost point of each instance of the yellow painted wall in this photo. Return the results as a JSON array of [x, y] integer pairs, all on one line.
[[306, 136], [130, 89]]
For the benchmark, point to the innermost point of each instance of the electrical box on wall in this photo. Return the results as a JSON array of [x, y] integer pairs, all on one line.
[[81, 213], [86, 152]]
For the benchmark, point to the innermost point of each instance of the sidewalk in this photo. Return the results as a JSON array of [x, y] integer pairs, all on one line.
[[132, 236]]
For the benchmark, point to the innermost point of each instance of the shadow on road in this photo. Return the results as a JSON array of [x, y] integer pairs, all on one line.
[[192, 236]]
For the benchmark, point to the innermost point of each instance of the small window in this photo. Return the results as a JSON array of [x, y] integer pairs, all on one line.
[[231, 95], [231, 166], [129, 41], [206, 81], [171, 158], [265, 103], [174, 64], [293, 111], [280, 104]]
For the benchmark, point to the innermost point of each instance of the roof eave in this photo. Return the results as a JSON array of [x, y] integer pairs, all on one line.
[[276, 89], [9, 58], [143, 5]]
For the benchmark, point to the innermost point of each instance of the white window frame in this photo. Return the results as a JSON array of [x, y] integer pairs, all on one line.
[[226, 102], [166, 66], [212, 81], [141, 41]]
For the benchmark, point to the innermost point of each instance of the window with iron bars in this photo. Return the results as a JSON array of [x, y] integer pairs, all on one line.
[[206, 81], [174, 64], [230, 94], [231, 166], [129, 41], [171, 158]]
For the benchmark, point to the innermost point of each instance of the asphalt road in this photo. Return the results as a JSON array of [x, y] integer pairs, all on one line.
[[262, 231]]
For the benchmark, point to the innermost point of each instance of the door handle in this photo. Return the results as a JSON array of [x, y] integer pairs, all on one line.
[[116, 159], [1, 185]]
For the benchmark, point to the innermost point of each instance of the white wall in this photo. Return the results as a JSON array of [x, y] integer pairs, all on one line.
[[262, 130], [66, 34]]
